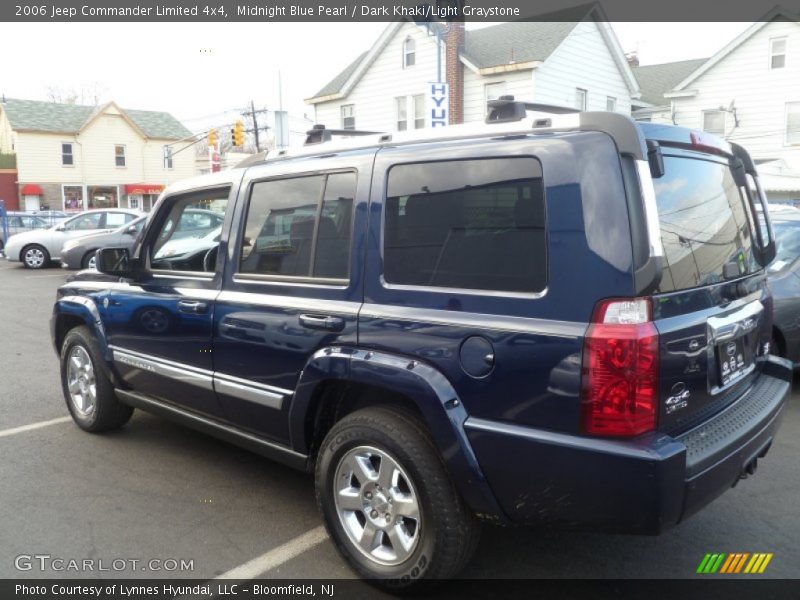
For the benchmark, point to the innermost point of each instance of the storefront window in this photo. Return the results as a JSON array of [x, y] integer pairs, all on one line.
[[73, 198], [103, 197]]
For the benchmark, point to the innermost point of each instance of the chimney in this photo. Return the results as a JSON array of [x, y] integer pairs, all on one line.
[[633, 59], [454, 70]]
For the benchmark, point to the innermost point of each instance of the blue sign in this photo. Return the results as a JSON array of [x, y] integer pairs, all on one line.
[[438, 104]]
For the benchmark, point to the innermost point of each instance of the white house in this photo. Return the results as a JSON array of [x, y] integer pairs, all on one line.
[[72, 157], [570, 58], [748, 93]]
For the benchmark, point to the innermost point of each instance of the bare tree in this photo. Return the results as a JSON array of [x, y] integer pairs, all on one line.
[[86, 94]]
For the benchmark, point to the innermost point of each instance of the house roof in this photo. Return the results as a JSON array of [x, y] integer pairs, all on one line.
[[337, 83], [522, 41], [778, 13], [51, 117], [497, 45], [656, 80]]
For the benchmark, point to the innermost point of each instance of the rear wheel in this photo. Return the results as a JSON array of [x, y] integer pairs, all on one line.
[[35, 256], [87, 388], [388, 502]]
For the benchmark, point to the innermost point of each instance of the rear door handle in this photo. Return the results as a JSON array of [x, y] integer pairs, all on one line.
[[194, 307], [326, 323]]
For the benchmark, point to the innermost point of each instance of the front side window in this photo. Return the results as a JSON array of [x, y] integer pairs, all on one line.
[[401, 112], [409, 53], [793, 123], [777, 53], [714, 122], [119, 155], [300, 227], [348, 116], [580, 98], [67, 159], [472, 224], [174, 249]]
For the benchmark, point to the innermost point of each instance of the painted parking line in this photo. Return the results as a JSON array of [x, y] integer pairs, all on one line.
[[277, 556], [33, 426]]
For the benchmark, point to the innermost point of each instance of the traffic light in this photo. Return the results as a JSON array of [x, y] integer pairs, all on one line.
[[237, 133], [212, 138]]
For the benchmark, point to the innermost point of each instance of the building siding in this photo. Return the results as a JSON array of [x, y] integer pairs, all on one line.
[[517, 83], [759, 94], [583, 60], [39, 156], [373, 96]]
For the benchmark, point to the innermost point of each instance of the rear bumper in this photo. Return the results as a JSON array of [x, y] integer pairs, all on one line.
[[641, 486]]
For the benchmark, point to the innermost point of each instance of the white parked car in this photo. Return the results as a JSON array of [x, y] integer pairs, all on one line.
[[35, 249]]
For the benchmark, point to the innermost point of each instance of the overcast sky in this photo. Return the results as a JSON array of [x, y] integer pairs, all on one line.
[[202, 73]]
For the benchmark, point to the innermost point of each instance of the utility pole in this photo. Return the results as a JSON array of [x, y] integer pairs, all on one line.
[[255, 124]]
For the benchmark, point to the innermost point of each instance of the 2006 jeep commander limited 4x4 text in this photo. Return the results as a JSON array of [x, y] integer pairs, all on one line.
[[557, 320]]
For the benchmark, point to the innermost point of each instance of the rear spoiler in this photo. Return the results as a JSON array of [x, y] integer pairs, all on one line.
[[742, 166]]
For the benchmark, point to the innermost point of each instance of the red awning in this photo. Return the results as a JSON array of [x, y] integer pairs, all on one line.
[[143, 188], [31, 189]]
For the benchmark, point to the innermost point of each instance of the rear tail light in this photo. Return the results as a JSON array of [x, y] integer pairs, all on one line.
[[619, 395]]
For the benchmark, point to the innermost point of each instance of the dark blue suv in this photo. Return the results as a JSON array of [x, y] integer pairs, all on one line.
[[558, 320]]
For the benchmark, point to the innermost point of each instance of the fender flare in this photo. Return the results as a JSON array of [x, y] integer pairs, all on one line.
[[430, 391], [86, 310]]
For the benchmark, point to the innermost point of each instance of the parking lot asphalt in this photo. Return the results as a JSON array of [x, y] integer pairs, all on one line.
[[155, 490]]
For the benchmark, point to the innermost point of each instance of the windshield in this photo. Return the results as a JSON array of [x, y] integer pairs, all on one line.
[[787, 240], [703, 223]]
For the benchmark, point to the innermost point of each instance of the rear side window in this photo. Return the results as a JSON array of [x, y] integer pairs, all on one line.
[[471, 224], [300, 227], [703, 223]]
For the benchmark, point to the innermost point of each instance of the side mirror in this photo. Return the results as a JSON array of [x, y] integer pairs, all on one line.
[[131, 230], [114, 261], [60, 227]]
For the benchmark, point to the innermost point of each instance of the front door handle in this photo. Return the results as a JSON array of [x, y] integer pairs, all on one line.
[[326, 323], [193, 307]]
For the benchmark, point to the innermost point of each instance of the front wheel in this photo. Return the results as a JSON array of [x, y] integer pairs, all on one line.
[[388, 502], [88, 261], [35, 257], [87, 388]]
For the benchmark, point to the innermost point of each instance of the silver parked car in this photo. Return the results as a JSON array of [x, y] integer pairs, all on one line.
[[35, 249], [78, 253], [19, 222]]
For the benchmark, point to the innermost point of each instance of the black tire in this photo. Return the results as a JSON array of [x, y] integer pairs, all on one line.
[[448, 531], [34, 256], [87, 258], [108, 412]]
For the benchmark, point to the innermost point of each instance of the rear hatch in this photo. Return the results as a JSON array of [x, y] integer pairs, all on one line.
[[712, 308]]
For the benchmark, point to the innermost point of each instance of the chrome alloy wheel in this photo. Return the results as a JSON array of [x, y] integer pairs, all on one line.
[[377, 505], [81, 381], [34, 258]]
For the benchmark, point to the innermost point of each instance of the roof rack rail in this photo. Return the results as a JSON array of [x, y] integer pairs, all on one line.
[[506, 110], [319, 134]]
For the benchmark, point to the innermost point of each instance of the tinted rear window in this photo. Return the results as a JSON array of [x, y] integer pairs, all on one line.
[[471, 224], [703, 223]]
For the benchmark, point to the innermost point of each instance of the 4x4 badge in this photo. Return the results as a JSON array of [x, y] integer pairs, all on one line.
[[679, 398]]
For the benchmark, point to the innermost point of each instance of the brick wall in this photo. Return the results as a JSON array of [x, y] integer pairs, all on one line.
[[8, 188], [454, 71]]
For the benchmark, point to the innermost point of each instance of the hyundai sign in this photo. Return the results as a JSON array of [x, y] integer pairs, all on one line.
[[438, 104]]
